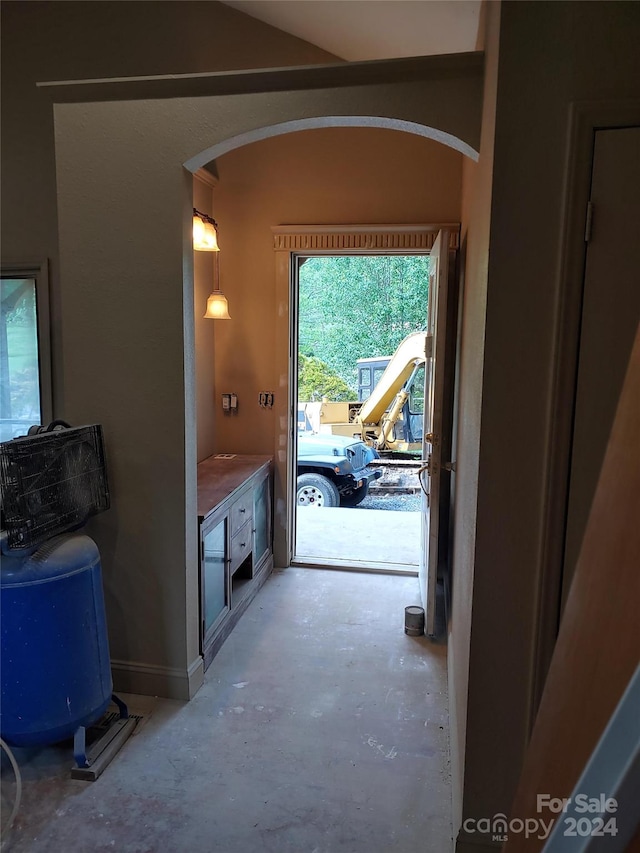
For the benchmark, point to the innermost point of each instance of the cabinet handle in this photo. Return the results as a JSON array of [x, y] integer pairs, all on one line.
[[243, 509]]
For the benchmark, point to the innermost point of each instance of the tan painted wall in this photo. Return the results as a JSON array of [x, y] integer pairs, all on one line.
[[120, 356], [476, 212], [327, 176], [146, 395], [592, 667], [581, 51], [66, 41]]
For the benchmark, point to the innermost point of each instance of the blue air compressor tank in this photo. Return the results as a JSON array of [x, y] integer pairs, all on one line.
[[55, 672]]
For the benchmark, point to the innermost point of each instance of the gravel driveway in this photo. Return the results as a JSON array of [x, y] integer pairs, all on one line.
[[398, 503]]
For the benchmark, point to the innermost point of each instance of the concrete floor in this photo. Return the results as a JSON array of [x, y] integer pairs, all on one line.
[[321, 728], [359, 536]]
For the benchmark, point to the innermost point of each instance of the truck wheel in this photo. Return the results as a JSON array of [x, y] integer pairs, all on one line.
[[316, 490], [356, 497]]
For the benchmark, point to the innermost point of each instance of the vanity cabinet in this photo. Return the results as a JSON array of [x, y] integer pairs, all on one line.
[[235, 532]]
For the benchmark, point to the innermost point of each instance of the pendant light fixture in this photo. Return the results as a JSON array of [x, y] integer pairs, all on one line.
[[205, 232], [217, 307], [205, 239]]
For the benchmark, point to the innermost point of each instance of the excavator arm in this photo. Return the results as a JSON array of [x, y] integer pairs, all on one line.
[[410, 352]]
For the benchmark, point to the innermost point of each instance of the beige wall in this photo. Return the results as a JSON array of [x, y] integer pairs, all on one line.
[[67, 41], [120, 356], [538, 78], [476, 213], [328, 176], [581, 51], [140, 380]]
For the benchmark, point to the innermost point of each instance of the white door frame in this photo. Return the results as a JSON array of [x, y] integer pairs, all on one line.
[[585, 119], [290, 241]]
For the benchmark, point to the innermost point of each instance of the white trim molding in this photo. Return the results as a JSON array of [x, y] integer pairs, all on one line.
[[150, 679], [206, 177], [380, 239], [290, 241], [584, 119], [611, 773]]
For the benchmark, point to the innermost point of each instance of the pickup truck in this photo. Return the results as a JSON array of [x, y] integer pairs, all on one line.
[[334, 470]]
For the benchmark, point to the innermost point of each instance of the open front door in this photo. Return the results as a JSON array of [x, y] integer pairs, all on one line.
[[434, 422]]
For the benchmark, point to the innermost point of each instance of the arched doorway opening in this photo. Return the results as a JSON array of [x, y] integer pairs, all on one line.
[[134, 247], [283, 160]]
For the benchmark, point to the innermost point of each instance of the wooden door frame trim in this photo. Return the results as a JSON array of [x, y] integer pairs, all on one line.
[[289, 242], [585, 119]]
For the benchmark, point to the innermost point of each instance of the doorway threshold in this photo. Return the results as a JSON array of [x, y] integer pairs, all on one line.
[[350, 536], [370, 566]]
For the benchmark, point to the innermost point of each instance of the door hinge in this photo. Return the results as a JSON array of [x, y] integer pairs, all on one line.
[[588, 222], [428, 346]]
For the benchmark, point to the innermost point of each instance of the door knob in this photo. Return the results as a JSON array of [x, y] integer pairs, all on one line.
[[425, 466]]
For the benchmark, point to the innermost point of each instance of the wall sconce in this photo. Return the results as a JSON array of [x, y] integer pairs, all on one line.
[[205, 233], [217, 307], [205, 239]]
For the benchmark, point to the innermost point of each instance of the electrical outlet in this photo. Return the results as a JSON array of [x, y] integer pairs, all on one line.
[[226, 402]]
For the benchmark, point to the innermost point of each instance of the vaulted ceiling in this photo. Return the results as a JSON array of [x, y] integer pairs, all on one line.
[[374, 29]]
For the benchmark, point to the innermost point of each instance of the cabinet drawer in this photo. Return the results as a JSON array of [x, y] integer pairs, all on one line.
[[241, 545], [241, 511]]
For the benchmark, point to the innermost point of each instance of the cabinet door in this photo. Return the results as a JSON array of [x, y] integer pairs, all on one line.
[[261, 520], [213, 572]]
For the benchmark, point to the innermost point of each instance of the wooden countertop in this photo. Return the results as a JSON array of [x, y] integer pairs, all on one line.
[[218, 478]]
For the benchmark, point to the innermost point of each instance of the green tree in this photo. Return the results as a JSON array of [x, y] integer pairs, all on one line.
[[316, 380], [359, 306]]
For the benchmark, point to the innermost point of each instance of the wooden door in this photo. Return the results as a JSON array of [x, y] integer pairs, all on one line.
[[434, 424]]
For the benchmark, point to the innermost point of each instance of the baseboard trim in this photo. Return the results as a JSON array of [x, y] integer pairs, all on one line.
[[149, 679]]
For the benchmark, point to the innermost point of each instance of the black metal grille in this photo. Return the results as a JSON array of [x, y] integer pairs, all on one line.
[[357, 456], [51, 483]]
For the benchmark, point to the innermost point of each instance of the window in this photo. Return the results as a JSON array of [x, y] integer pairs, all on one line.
[[25, 373]]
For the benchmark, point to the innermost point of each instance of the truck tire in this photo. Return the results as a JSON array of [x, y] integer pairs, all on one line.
[[356, 497], [316, 490]]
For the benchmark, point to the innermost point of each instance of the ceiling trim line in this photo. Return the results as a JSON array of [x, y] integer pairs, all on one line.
[[294, 78]]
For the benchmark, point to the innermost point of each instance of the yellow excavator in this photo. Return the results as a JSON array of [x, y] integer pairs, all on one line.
[[385, 420]]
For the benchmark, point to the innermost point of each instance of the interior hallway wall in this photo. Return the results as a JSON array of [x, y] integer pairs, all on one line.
[[547, 60], [476, 219], [144, 355], [335, 176], [74, 40], [119, 357]]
